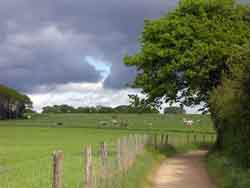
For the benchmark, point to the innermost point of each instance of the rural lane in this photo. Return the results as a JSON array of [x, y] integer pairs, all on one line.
[[184, 170]]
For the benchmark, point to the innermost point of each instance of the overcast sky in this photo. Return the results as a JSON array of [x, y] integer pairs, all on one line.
[[71, 51]]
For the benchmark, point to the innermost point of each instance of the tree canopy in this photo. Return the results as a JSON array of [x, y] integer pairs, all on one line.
[[199, 53], [184, 53], [13, 94], [138, 105], [12, 103], [174, 110], [99, 109]]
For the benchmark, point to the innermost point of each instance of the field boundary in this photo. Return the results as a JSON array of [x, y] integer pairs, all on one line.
[[115, 161]]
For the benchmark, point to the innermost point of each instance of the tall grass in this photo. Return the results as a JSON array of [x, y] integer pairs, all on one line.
[[138, 175], [226, 173]]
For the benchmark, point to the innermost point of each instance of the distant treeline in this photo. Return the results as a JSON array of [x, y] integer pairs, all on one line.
[[98, 109], [174, 110], [12, 103]]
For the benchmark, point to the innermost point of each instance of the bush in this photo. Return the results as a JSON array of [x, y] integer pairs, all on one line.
[[230, 107], [226, 173]]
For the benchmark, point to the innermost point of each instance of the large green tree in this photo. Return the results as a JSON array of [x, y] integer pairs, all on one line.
[[184, 53]]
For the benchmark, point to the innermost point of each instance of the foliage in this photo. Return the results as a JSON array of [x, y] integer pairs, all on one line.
[[138, 105], [11, 93], [184, 53], [136, 177], [226, 173], [58, 109], [29, 111], [99, 109], [13, 103], [174, 110], [184, 56], [230, 105]]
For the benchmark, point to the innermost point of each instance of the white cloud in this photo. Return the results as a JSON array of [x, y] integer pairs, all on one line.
[[86, 94], [82, 94]]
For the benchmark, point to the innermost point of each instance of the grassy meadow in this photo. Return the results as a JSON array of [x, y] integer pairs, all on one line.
[[26, 146], [141, 122]]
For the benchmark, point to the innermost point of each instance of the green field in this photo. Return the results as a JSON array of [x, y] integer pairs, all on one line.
[[143, 122], [26, 146]]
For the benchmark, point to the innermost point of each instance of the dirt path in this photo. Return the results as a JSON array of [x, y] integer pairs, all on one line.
[[183, 171]]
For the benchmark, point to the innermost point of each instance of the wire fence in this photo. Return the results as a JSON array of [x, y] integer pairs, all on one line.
[[107, 166], [104, 165]]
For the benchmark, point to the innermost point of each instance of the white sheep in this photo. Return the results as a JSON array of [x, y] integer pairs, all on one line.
[[188, 123], [124, 124], [150, 124], [114, 122]]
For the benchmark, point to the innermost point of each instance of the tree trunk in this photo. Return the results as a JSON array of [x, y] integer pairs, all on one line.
[[219, 140]]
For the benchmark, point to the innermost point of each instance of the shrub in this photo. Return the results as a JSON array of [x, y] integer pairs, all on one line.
[[230, 106]]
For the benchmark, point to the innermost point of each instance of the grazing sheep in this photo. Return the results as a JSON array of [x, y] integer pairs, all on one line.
[[150, 125], [188, 123], [103, 123], [114, 122], [29, 117], [124, 124]]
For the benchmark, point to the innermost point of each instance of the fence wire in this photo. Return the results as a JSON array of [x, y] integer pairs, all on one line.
[[110, 163]]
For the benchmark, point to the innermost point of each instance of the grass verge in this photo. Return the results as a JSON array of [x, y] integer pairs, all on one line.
[[137, 177], [225, 173]]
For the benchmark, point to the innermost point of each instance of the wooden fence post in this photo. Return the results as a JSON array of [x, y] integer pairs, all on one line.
[[162, 140], [195, 139], [129, 150], [104, 158], [125, 153], [204, 138], [151, 141], [146, 141], [166, 140], [133, 148], [155, 142], [58, 157], [136, 145], [104, 164], [140, 143], [188, 138], [88, 168], [119, 154]]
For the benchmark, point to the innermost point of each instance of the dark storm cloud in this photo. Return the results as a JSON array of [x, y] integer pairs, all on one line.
[[44, 57], [45, 42]]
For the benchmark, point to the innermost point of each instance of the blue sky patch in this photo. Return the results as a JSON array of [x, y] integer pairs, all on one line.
[[99, 66]]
